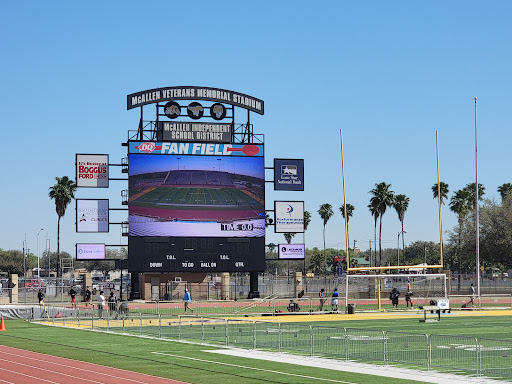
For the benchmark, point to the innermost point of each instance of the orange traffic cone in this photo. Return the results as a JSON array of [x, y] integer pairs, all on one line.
[[2, 325]]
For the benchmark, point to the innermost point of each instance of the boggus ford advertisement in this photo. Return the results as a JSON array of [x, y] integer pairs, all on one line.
[[92, 171]]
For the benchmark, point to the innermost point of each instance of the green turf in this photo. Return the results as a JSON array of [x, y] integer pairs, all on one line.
[[494, 327], [135, 354]]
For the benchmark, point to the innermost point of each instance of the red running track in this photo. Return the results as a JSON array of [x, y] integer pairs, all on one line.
[[18, 366]]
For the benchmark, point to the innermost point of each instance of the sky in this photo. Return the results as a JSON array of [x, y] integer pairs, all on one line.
[[388, 74]]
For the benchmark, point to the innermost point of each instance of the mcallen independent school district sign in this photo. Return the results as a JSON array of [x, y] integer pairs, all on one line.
[[158, 95]]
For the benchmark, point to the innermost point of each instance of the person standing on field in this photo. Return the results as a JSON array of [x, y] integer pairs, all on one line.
[[187, 299], [101, 304], [334, 300], [321, 294]]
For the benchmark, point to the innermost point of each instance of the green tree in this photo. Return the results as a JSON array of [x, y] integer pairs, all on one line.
[[382, 198], [317, 262], [350, 212], [470, 188], [505, 191], [325, 213], [443, 187], [288, 236], [460, 204], [63, 192], [401, 203], [12, 261], [307, 219]]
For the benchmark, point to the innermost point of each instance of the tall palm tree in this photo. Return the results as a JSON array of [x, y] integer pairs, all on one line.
[[382, 198], [375, 214], [62, 192], [325, 213], [350, 212], [288, 236], [443, 187], [460, 204], [470, 188], [307, 220], [505, 191], [401, 203]]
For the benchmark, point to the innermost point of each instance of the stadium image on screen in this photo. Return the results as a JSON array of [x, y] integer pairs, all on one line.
[[197, 196]]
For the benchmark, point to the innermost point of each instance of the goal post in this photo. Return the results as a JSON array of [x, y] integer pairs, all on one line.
[[371, 290]]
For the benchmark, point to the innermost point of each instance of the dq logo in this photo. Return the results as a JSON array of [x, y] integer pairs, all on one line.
[[195, 110], [148, 147], [172, 109], [218, 111]]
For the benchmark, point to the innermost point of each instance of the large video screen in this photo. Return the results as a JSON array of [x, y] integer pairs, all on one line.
[[196, 195]]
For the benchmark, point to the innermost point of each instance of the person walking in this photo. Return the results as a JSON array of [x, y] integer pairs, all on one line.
[[471, 295], [187, 299], [72, 293], [87, 296], [40, 297], [321, 294], [101, 304]]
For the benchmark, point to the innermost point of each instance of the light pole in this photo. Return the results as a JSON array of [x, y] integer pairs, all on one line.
[[178, 158], [219, 160], [38, 270]]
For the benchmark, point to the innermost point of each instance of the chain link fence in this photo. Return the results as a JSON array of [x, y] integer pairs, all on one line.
[[468, 355]]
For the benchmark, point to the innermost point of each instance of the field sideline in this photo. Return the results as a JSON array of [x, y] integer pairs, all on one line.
[[194, 363]]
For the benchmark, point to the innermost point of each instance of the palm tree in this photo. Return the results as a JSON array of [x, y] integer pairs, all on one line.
[[382, 198], [307, 219], [350, 212], [375, 214], [443, 187], [62, 192], [470, 188], [288, 236], [401, 203], [325, 213], [460, 204], [505, 191]]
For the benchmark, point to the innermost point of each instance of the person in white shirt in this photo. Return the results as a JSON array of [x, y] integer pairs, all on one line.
[[101, 304]]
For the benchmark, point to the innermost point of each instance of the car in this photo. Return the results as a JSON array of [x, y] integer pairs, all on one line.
[[35, 283]]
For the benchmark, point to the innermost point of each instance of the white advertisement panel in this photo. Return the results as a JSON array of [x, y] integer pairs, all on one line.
[[291, 251], [289, 216], [90, 251], [92, 215], [91, 171]]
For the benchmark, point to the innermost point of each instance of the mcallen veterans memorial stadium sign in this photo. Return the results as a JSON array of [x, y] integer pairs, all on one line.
[[158, 95]]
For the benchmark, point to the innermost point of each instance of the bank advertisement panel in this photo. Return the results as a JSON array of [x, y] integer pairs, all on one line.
[[196, 190], [289, 216], [289, 174], [91, 170], [291, 252], [92, 215], [90, 251]]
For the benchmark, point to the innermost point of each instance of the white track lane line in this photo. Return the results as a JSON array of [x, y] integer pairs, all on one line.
[[38, 379], [255, 369], [89, 371]]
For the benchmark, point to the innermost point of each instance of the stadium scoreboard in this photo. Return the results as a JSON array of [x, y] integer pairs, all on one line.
[[196, 207], [196, 254]]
